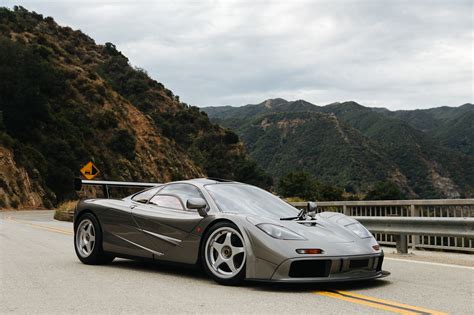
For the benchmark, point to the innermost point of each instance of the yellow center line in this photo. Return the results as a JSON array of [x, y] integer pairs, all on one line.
[[373, 302], [43, 227]]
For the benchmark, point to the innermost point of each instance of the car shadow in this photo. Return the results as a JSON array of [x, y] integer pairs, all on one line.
[[323, 286], [194, 272], [168, 268]]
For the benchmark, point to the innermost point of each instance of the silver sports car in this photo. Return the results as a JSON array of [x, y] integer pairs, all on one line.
[[233, 230]]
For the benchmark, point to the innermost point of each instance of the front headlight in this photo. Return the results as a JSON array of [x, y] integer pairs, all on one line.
[[279, 232], [359, 229]]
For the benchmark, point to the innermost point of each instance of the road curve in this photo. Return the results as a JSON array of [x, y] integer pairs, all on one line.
[[39, 273]]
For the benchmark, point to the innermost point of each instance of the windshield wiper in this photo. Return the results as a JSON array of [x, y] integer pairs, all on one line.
[[301, 216], [304, 213]]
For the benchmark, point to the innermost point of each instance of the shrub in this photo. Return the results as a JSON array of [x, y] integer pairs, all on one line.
[[106, 120], [304, 185], [297, 184], [385, 191], [124, 143], [230, 137]]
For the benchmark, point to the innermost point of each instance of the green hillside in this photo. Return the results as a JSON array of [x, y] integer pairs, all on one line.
[[452, 127], [431, 169], [377, 145], [65, 100]]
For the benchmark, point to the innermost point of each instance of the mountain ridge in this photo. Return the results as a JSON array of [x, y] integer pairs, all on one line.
[[418, 161]]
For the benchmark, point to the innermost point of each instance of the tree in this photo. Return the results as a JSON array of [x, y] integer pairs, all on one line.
[[297, 184], [124, 143], [305, 186], [385, 191], [328, 193]]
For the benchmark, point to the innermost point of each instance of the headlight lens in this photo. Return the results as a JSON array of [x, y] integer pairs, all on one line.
[[279, 232], [359, 229]]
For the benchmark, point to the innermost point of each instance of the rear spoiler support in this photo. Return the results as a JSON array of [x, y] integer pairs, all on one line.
[[78, 183]]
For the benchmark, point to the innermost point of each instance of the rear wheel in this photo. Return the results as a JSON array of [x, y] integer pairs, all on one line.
[[223, 254], [88, 241]]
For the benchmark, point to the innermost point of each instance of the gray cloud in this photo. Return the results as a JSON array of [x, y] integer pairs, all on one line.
[[395, 54]]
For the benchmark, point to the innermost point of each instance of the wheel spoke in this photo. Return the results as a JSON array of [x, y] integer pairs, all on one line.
[[91, 238], [231, 265], [237, 250], [90, 229], [227, 240], [217, 246], [88, 247], [218, 262]]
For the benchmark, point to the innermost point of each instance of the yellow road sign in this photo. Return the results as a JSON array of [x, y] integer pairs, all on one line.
[[90, 170]]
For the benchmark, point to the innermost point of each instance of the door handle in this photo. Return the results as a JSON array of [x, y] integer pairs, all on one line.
[[133, 206]]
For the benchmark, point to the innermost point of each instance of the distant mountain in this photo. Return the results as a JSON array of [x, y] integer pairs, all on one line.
[[453, 127], [354, 146], [65, 100]]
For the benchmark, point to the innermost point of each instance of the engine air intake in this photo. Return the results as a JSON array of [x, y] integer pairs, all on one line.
[[310, 268]]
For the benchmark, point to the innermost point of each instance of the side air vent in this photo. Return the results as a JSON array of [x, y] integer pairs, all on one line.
[[308, 223], [310, 268], [379, 264]]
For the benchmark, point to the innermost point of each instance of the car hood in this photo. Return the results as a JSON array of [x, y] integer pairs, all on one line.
[[326, 226]]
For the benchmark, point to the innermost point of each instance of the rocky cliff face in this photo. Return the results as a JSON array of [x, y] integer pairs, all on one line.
[[65, 100], [17, 189]]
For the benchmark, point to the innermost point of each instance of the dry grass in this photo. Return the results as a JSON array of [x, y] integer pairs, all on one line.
[[65, 211], [294, 199]]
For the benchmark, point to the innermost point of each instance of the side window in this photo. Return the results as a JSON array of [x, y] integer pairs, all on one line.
[[167, 201], [145, 195], [183, 191]]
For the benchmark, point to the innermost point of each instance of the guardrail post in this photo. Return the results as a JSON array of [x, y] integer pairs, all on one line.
[[345, 210], [402, 243], [415, 239]]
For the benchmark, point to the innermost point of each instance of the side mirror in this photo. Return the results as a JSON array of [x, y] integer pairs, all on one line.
[[312, 206], [199, 204], [311, 209]]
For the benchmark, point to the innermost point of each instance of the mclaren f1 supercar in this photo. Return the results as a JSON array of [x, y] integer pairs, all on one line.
[[235, 231]]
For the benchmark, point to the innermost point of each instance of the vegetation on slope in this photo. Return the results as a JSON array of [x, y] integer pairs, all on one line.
[[357, 148], [453, 127], [65, 100]]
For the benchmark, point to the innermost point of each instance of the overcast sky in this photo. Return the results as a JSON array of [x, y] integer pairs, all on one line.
[[394, 54]]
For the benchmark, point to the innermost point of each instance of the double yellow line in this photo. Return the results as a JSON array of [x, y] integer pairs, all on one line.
[[381, 304], [43, 227]]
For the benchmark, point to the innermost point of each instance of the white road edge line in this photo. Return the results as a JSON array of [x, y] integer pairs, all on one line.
[[430, 263]]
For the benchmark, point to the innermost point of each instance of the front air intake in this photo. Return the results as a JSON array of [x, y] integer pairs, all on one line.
[[310, 268]]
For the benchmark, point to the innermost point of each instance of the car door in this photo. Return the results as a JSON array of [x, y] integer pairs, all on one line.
[[167, 221], [120, 229]]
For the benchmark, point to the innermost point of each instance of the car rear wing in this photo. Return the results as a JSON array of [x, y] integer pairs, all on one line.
[[78, 183]]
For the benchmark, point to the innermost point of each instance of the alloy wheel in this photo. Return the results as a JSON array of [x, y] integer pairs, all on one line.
[[85, 238], [225, 252]]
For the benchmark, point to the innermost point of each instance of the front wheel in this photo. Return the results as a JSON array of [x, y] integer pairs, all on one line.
[[88, 241], [223, 254]]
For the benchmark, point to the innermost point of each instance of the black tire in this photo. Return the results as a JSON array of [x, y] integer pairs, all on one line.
[[239, 276], [96, 255]]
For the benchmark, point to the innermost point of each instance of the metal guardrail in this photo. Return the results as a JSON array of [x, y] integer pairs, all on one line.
[[401, 227], [420, 210]]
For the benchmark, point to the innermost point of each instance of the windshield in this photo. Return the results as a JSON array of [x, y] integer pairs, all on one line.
[[246, 199]]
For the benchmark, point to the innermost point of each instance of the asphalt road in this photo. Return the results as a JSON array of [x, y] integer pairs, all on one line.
[[39, 273]]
